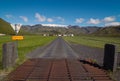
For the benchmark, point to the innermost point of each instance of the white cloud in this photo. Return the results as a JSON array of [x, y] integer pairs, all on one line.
[[80, 20], [54, 25], [109, 19], [25, 19], [8, 16], [94, 21], [60, 18], [112, 24], [40, 18], [50, 20]]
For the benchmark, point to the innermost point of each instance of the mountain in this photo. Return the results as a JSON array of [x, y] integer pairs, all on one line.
[[77, 30], [5, 27], [92, 29], [40, 29], [84, 30], [110, 31]]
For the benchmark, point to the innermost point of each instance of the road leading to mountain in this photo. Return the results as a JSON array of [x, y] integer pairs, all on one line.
[[58, 68], [57, 49]]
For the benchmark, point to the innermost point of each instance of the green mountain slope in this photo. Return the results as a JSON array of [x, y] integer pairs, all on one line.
[[111, 31], [5, 27]]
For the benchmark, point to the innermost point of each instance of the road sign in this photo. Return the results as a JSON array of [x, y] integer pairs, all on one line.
[[16, 27], [17, 37]]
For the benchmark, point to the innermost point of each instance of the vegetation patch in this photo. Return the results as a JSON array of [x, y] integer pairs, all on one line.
[[94, 41], [25, 46]]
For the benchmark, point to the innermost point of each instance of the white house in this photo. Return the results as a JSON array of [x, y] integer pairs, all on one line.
[[2, 34]]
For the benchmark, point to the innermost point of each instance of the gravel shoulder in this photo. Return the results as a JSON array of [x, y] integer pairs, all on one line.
[[88, 52], [93, 53]]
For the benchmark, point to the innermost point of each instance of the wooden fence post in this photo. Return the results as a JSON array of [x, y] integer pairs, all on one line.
[[9, 54], [110, 57]]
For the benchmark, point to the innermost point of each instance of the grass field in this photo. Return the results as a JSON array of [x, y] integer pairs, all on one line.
[[28, 44], [94, 41]]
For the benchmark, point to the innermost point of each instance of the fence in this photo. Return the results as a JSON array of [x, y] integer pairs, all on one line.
[[111, 57], [9, 54]]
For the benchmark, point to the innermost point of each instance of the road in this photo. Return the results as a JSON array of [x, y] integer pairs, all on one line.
[[57, 49], [56, 62]]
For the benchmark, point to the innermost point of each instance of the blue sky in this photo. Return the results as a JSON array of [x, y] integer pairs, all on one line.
[[64, 12]]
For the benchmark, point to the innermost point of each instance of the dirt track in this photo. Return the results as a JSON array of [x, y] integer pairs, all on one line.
[[61, 49], [57, 49]]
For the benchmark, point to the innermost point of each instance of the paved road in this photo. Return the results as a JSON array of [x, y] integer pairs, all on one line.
[[57, 49]]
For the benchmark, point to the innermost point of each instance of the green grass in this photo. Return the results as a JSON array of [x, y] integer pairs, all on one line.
[[3, 39], [25, 46], [30, 43], [94, 41], [5, 27]]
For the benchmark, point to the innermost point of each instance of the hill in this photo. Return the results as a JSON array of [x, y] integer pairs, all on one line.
[[109, 31], [39, 29], [77, 30], [5, 27]]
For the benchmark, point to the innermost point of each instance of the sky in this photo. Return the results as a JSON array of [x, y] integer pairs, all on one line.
[[61, 12]]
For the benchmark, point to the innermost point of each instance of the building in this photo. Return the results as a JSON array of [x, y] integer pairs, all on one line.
[[2, 34]]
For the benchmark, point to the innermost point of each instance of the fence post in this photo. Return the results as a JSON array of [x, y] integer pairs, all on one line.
[[118, 60], [9, 54], [110, 57]]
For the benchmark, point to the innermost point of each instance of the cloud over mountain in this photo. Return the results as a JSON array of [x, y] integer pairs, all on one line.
[[112, 24], [40, 18], [50, 20], [60, 18], [54, 25], [25, 19], [109, 19], [94, 21], [79, 20]]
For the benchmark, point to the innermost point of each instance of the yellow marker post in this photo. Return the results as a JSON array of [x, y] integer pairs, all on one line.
[[17, 37]]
